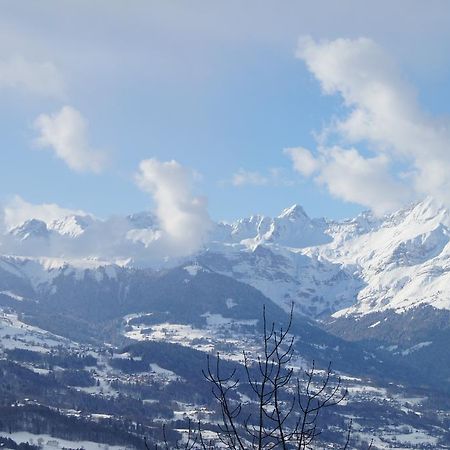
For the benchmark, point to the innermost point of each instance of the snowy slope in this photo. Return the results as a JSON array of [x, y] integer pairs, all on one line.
[[403, 261], [72, 226]]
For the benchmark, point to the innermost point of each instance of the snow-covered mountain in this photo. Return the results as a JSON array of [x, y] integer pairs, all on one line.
[[358, 266], [72, 226], [402, 260], [31, 229], [352, 267], [81, 331], [292, 228]]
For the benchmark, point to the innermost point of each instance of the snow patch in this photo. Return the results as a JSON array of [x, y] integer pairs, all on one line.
[[193, 270], [230, 303]]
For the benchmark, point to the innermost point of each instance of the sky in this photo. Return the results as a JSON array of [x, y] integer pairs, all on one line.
[[217, 110]]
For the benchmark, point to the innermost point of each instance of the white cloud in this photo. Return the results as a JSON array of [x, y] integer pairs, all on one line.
[[383, 112], [39, 78], [303, 160], [66, 134], [351, 177], [183, 217], [17, 211], [245, 177]]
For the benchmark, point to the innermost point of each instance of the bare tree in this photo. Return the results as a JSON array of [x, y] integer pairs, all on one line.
[[284, 409], [287, 408]]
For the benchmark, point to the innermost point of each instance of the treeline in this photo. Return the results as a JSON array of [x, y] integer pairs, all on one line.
[[63, 359], [38, 419], [13, 445]]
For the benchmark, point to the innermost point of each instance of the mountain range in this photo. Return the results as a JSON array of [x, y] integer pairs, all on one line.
[[369, 293], [351, 267]]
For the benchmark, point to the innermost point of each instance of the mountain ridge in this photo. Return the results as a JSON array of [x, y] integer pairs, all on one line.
[[355, 266]]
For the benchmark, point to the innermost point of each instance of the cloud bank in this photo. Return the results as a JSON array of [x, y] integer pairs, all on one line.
[[66, 134], [183, 217], [176, 229], [138, 239], [406, 153]]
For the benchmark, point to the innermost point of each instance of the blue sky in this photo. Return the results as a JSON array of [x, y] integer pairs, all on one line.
[[217, 87]]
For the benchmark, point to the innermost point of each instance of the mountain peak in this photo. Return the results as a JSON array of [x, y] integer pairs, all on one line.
[[428, 209], [294, 212], [31, 228], [72, 226]]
